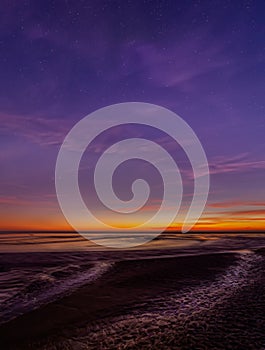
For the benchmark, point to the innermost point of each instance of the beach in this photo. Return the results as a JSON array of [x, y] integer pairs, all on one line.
[[187, 301]]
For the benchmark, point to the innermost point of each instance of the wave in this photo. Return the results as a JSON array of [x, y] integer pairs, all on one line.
[[182, 319], [23, 291]]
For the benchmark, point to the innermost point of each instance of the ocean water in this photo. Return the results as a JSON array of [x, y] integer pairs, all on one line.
[[36, 269], [26, 285]]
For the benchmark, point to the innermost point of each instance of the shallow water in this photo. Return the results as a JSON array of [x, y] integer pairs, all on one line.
[[31, 279]]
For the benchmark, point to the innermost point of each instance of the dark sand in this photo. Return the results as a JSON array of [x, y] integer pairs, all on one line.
[[214, 301]]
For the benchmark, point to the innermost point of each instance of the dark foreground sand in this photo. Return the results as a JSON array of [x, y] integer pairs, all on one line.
[[214, 301]]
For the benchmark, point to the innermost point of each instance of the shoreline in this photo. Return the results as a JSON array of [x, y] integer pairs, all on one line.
[[116, 293]]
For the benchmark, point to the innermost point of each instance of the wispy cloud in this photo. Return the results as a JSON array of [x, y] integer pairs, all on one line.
[[39, 130], [175, 65], [240, 163], [231, 204], [27, 200], [245, 213]]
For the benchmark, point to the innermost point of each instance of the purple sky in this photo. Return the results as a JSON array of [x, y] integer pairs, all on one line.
[[61, 60]]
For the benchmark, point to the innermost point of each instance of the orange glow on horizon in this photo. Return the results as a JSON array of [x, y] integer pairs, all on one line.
[[46, 216]]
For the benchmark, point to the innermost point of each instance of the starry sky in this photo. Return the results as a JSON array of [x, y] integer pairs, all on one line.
[[61, 60]]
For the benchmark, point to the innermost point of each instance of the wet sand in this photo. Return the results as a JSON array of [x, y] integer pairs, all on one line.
[[213, 301]]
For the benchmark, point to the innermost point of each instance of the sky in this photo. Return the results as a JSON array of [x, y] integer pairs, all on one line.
[[62, 60]]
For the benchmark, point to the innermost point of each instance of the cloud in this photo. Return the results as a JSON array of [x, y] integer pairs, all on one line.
[[235, 164], [28, 200], [230, 204], [39, 130], [240, 163], [175, 65], [245, 213], [13, 201]]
